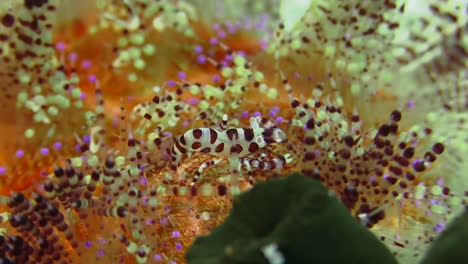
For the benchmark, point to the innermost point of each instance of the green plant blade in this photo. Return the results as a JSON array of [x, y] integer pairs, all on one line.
[[300, 217], [450, 247]]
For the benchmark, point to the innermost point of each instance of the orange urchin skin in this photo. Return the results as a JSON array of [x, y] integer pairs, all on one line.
[[187, 208]]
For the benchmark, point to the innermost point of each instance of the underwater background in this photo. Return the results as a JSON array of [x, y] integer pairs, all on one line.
[[130, 127]]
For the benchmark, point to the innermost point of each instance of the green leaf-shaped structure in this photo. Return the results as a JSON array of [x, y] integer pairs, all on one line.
[[300, 217], [451, 246]]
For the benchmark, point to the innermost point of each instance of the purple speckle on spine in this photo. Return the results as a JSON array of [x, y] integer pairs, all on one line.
[[410, 104], [213, 41], [143, 181], [193, 101], [175, 234], [100, 253], [88, 244], [85, 64], [279, 119], [170, 83], [86, 138], [163, 221], [257, 114], [263, 44], [82, 95], [216, 78], [231, 29], [2, 170], [439, 227], [19, 153], [72, 57], [60, 46], [182, 75], [44, 151], [57, 145], [245, 114], [201, 59], [157, 257], [198, 49], [221, 34], [317, 153], [102, 240], [178, 246], [417, 203], [92, 78], [216, 27]]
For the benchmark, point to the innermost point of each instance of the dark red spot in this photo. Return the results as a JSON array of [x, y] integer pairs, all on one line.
[[403, 185], [408, 153], [213, 136], [206, 150], [429, 157], [309, 140], [219, 148], [446, 191], [8, 20], [438, 148], [310, 123], [410, 176], [294, 103], [391, 180], [197, 133], [253, 147], [384, 130], [309, 156], [395, 116], [222, 190], [419, 166], [348, 140], [396, 170], [232, 134], [248, 134], [182, 140], [180, 148], [236, 148], [196, 145]]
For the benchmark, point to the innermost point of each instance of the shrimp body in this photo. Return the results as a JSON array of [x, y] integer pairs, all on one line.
[[233, 144]]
